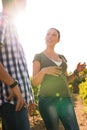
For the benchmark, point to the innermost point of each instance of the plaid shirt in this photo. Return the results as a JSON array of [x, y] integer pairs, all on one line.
[[13, 59]]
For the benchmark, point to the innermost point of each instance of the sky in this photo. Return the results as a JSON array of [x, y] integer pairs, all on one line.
[[69, 16]]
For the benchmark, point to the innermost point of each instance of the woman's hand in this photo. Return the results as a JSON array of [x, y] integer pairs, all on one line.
[[81, 67], [52, 70]]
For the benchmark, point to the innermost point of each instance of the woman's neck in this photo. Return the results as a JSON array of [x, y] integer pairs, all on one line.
[[52, 54], [49, 51]]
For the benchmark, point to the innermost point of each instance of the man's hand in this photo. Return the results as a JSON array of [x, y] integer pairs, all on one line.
[[15, 93]]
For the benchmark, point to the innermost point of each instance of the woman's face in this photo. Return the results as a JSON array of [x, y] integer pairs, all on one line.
[[51, 37]]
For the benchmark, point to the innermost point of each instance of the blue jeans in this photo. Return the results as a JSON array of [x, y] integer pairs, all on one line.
[[53, 108], [12, 120]]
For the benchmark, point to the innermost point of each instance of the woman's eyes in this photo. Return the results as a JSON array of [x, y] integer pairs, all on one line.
[[51, 34]]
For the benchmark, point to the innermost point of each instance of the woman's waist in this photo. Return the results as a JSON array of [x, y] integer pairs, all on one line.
[[52, 92], [53, 97], [54, 80]]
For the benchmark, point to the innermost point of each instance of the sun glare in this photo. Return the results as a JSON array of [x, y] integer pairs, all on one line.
[[68, 16], [21, 25]]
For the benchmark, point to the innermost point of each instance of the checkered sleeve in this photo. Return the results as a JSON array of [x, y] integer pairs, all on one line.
[[2, 31]]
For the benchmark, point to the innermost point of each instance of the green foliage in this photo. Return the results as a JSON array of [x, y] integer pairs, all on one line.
[[79, 85], [35, 90], [70, 88], [83, 91]]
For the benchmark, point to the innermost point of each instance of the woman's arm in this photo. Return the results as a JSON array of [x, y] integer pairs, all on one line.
[[38, 74], [80, 67], [71, 77]]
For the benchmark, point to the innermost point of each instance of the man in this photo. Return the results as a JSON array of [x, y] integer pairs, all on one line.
[[13, 59]]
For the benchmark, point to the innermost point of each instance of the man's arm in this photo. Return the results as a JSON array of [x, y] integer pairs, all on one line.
[[7, 79]]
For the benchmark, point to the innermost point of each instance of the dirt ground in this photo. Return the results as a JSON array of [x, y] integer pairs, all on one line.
[[81, 112]]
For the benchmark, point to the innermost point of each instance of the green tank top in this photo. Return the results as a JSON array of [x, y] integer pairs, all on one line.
[[53, 85]]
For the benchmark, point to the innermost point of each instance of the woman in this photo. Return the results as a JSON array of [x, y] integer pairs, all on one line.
[[50, 71]]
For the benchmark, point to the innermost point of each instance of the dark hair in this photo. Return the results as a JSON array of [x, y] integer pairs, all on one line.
[[6, 2], [57, 32]]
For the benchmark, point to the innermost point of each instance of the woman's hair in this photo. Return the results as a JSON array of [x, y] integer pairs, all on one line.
[[57, 32]]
